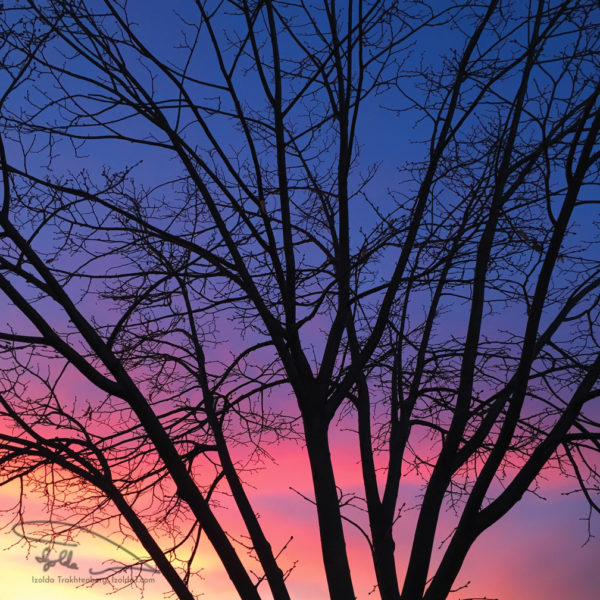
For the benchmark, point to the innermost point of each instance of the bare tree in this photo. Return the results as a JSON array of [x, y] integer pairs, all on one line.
[[463, 303]]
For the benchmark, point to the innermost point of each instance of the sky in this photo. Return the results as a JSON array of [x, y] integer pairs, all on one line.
[[539, 551]]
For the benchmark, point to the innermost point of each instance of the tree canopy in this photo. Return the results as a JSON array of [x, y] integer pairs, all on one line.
[[231, 224]]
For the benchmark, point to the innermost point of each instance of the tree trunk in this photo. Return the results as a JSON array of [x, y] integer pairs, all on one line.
[[333, 543], [385, 563]]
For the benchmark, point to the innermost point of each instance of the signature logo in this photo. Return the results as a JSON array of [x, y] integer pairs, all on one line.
[[50, 557], [65, 558]]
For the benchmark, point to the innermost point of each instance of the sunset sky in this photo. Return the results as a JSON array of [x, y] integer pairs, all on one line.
[[537, 552], [542, 549]]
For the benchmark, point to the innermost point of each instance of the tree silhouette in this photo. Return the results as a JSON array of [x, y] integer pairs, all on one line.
[[180, 182]]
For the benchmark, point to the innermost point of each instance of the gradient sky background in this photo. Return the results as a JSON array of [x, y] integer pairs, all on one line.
[[536, 552]]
